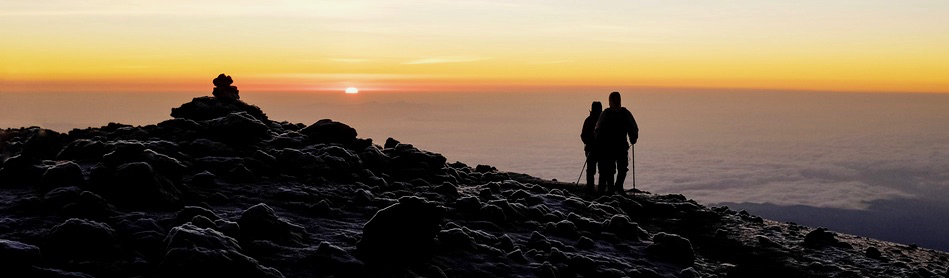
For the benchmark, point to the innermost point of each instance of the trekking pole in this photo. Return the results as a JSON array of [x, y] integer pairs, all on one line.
[[633, 150], [581, 172]]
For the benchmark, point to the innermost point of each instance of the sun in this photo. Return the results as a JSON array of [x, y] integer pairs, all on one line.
[[352, 90]]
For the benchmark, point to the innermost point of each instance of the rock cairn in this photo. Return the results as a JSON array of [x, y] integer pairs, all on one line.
[[223, 88]]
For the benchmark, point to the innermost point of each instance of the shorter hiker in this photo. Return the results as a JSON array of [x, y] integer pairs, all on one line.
[[615, 124], [588, 136]]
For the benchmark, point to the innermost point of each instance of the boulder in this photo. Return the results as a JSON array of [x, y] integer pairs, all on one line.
[[621, 226], [329, 131], [672, 248], [189, 212], [83, 150], [260, 222], [873, 253], [401, 234], [390, 143], [189, 236], [15, 254], [81, 239], [138, 185], [820, 237], [65, 173], [89, 205], [238, 127], [19, 170]]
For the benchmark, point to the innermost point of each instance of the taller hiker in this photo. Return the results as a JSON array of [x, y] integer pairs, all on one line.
[[588, 136], [612, 129]]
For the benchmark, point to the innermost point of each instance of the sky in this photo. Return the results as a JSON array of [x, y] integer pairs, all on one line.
[[410, 45]]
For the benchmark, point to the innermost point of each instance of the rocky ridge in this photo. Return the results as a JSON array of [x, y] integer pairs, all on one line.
[[221, 190]]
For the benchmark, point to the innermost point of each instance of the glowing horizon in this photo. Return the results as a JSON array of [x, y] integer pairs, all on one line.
[[858, 46]]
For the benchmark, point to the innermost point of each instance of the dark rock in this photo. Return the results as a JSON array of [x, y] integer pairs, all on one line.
[[873, 253], [206, 108], [238, 127], [447, 189], [329, 131], [485, 168], [538, 241], [59, 197], [202, 262], [390, 143], [82, 150], [20, 170], [223, 89], [189, 236], [333, 260], [204, 179], [456, 239], [228, 228], [408, 163], [401, 234], [321, 208], [124, 152], [547, 270], [41, 272], [621, 226], [689, 272], [261, 222], [672, 248], [138, 185], [15, 254], [506, 243], [494, 214], [767, 242], [202, 147], [189, 212], [585, 243], [820, 237], [81, 239], [470, 205], [566, 228], [517, 256], [89, 205]]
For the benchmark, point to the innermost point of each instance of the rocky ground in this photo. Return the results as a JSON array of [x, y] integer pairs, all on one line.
[[220, 190]]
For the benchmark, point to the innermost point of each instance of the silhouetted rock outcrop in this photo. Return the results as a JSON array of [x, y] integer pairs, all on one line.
[[225, 101]]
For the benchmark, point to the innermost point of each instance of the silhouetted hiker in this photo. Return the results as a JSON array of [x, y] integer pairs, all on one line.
[[588, 136], [614, 125]]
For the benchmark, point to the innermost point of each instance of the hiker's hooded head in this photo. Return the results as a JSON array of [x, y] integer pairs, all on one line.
[[596, 109], [615, 100]]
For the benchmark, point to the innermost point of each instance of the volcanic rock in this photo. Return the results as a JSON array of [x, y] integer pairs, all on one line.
[[401, 234], [81, 239], [138, 185], [63, 174], [672, 248], [15, 254], [329, 131], [261, 222]]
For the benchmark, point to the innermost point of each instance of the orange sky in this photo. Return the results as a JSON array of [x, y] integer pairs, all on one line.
[[159, 46]]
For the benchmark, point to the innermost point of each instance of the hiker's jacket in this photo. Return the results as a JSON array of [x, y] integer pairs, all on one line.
[[613, 127], [587, 134]]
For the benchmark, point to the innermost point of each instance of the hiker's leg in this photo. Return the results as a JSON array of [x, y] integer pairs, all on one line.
[[606, 173], [622, 166]]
